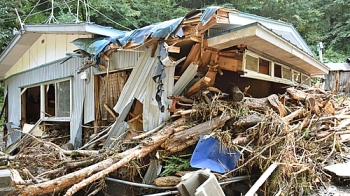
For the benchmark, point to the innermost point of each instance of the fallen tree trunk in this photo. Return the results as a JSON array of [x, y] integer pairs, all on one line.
[[62, 182], [266, 102], [297, 113], [82, 176], [235, 92], [136, 152], [188, 137], [248, 121]]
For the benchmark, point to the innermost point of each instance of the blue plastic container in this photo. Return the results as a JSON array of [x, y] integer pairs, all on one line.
[[209, 154]]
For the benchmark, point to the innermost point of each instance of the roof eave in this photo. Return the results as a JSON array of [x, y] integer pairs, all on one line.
[[290, 25], [31, 32], [82, 28], [262, 39]]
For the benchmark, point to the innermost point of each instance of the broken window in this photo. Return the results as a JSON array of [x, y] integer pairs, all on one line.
[[257, 64], [30, 105], [262, 66], [252, 63], [296, 76], [286, 73], [57, 99], [305, 79], [63, 99]]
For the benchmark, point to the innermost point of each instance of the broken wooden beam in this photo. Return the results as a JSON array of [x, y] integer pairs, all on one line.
[[181, 140]]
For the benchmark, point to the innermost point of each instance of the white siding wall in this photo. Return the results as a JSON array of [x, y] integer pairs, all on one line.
[[48, 48], [81, 93]]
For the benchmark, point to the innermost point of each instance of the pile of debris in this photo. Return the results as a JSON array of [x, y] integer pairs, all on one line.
[[295, 135]]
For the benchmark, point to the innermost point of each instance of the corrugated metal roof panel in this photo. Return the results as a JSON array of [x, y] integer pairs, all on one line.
[[125, 59], [338, 66], [136, 83]]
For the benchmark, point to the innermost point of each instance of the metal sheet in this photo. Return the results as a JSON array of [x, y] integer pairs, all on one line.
[[125, 59], [136, 84]]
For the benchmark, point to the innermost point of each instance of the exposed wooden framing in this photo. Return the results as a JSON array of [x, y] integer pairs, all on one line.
[[202, 83], [222, 12], [202, 28], [213, 69], [150, 42], [230, 64], [206, 56], [154, 48], [194, 52], [178, 40], [191, 21], [196, 39], [113, 71], [111, 111], [97, 104], [24, 90]]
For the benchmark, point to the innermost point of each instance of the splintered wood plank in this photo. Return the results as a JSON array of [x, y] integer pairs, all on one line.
[[97, 103], [223, 20], [229, 54], [222, 12], [196, 39], [154, 48], [177, 40], [188, 30], [206, 56], [191, 56], [150, 41], [202, 28], [191, 21]]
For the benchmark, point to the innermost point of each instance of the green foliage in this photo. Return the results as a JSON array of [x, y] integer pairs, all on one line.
[[334, 56], [317, 21], [174, 164]]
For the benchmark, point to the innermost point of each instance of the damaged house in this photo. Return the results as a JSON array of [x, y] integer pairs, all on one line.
[[85, 76]]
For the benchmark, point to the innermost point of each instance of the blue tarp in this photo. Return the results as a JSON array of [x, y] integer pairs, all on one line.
[[163, 29], [159, 30], [209, 11], [136, 36], [92, 46]]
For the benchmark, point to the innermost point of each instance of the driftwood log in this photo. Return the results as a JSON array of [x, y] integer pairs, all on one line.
[[234, 91], [188, 137], [167, 181], [271, 101], [83, 177]]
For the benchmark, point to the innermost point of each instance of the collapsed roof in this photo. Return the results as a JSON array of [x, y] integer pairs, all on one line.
[[220, 29]]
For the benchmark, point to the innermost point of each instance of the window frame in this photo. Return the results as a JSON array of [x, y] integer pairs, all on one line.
[[272, 75], [56, 118]]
